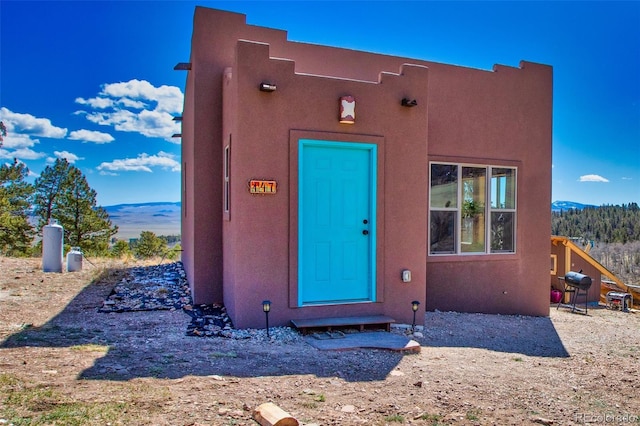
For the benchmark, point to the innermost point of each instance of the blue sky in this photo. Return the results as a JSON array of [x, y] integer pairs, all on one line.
[[93, 81]]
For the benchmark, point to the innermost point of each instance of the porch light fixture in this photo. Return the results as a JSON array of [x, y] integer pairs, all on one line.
[[266, 308], [267, 87], [347, 110], [408, 102], [414, 307]]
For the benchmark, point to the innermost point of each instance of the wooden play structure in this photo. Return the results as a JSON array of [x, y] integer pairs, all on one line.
[[608, 289]]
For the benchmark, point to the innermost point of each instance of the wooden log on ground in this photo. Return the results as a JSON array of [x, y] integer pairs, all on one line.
[[269, 414]]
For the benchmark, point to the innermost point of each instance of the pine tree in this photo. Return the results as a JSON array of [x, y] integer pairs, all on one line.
[[120, 249], [607, 224], [48, 187], [62, 193], [149, 245], [16, 233]]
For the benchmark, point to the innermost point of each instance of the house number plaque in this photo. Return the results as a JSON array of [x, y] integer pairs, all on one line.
[[257, 186]]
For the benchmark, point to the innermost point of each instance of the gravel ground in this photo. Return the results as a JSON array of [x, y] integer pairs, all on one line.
[[57, 349]]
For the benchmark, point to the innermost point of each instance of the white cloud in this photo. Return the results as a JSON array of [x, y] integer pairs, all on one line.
[[91, 136], [95, 102], [152, 124], [592, 178], [22, 130], [28, 124], [22, 154], [137, 106], [143, 163], [17, 141], [114, 118], [131, 103], [69, 156], [169, 98], [626, 178]]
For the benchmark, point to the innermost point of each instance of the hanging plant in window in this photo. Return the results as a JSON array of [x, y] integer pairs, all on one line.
[[471, 208]]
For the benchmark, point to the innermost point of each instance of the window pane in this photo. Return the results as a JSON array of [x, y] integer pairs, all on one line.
[[443, 231], [472, 234], [503, 188], [502, 232], [444, 186], [472, 225]]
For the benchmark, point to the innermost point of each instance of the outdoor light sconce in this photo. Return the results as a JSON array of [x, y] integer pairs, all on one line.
[[408, 102], [266, 308], [347, 110], [267, 87], [414, 307]]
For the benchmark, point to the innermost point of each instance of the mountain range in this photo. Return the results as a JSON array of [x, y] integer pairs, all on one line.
[[557, 206], [163, 218]]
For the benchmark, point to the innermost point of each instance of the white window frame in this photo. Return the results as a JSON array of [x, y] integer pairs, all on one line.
[[488, 210]]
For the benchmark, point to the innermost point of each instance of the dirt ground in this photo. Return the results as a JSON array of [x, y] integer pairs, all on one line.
[[63, 362]]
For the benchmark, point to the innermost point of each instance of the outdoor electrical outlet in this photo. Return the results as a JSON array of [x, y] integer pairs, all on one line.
[[406, 276]]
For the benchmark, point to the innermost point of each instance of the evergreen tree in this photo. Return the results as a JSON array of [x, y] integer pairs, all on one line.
[[120, 249], [62, 193], [149, 245], [607, 224], [16, 233], [49, 186], [174, 253]]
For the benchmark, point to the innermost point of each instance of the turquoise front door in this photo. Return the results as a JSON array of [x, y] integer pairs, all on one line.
[[336, 222]]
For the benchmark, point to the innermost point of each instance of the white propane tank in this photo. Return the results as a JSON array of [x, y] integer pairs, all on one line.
[[74, 260], [52, 237]]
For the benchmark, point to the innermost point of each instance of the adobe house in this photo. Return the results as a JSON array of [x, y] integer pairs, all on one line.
[[335, 182]]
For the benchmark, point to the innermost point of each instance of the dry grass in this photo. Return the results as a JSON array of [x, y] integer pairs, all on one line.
[[63, 363]]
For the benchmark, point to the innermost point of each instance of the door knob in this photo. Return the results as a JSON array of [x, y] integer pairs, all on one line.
[[365, 232]]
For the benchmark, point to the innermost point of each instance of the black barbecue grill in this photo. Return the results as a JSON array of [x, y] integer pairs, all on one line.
[[577, 284]]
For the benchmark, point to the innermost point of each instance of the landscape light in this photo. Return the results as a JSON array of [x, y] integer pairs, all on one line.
[[266, 307], [414, 307]]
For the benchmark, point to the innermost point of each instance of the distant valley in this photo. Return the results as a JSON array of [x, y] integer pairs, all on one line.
[[161, 218]]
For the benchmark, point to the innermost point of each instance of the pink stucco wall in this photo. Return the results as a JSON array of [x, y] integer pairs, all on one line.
[[499, 117]]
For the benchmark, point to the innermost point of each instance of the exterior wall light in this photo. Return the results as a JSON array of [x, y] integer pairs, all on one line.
[[408, 102], [266, 308], [267, 87], [414, 307], [347, 110]]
